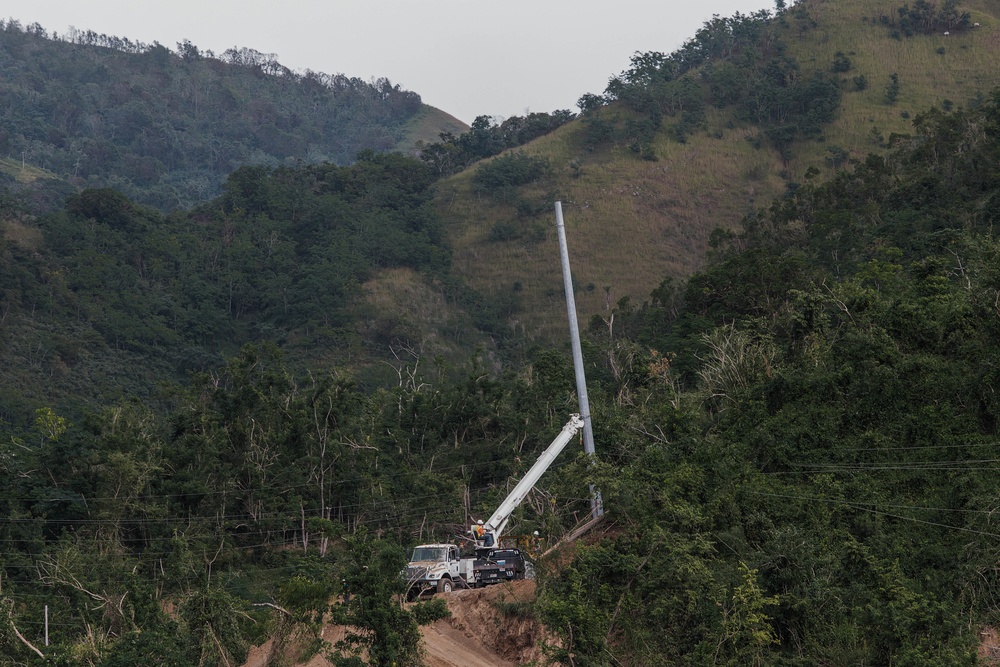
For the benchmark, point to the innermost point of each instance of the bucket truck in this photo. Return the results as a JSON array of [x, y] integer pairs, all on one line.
[[439, 567]]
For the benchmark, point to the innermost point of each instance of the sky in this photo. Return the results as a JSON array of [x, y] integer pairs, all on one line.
[[465, 57]]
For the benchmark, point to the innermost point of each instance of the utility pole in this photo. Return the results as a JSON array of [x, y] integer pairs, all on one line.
[[596, 505]]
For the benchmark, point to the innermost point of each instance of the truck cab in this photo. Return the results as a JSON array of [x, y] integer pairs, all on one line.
[[436, 567]]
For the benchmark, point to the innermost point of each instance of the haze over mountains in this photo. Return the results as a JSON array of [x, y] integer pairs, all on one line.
[[166, 127], [236, 376]]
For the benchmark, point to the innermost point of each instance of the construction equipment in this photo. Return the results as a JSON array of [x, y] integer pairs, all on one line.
[[438, 567]]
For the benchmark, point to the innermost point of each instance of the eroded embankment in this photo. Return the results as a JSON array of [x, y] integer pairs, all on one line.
[[489, 627]]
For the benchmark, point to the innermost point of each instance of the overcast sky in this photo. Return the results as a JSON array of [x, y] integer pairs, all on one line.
[[466, 57]]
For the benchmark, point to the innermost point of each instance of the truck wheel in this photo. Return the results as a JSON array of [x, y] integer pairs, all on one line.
[[444, 585]]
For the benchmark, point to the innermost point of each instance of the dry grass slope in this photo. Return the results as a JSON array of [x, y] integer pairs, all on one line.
[[427, 127], [631, 222], [931, 69], [23, 173]]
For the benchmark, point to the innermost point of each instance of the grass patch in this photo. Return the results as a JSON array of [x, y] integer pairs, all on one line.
[[519, 609], [29, 238], [25, 173], [427, 126]]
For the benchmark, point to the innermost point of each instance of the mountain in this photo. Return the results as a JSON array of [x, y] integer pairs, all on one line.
[[657, 171], [222, 426], [687, 143], [166, 127]]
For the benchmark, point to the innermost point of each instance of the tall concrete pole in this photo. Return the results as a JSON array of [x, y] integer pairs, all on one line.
[[596, 506]]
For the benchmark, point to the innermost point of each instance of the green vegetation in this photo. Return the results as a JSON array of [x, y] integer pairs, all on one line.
[[487, 138], [806, 477], [281, 256], [794, 456], [245, 502], [926, 18], [432, 610], [744, 63], [795, 442], [165, 128], [501, 176], [380, 627]]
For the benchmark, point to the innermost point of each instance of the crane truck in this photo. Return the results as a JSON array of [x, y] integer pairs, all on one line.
[[442, 567]]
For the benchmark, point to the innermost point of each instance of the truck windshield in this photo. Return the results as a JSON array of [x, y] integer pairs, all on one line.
[[429, 553]]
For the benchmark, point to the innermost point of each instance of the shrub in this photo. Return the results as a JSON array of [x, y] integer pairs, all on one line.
[[503, 231], [509, 171], [892, 90], [430, 611], [841, 63]]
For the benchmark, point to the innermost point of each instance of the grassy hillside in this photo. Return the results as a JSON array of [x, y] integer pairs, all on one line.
[[426, 126], [932, 69], [632, 222]]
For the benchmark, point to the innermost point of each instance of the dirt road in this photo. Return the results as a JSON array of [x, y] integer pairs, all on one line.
[[446, 646], [485, 630]]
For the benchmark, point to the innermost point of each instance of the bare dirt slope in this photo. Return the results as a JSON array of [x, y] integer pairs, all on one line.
[[497, 618], [490, 627], [446, 646]]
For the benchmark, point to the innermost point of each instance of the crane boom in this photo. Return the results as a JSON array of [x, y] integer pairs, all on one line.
[[498, 521]]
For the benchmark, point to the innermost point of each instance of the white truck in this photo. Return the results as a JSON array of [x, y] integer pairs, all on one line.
[[441, 567]]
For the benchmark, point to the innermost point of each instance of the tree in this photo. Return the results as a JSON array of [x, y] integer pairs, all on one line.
[[380, 626], [892, 90]]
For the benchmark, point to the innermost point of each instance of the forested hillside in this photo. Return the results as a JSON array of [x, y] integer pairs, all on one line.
[[796, 453], [684, 143], [106, 298], [225, 424], [800, 452], [166, 127]]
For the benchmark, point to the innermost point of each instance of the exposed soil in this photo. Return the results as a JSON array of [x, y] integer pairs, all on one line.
[[495, 619], [989, 647], [489, 627]]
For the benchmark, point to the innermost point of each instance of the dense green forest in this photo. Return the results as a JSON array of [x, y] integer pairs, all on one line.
[[797, 445], [806, 473], [797, 454], [166, 127], [106, 298]]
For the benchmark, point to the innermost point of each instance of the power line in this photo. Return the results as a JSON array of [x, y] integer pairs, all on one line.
[[275, 487], [867, 507]]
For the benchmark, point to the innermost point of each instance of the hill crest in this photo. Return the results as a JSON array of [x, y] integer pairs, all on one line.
[[633, 222]]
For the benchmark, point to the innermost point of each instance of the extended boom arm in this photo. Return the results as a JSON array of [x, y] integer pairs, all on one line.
[[496, 523]]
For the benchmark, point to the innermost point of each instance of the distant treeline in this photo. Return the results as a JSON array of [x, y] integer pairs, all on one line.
[[487, 137], [165, 127]]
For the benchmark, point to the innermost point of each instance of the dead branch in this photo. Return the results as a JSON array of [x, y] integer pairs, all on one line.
[[355, 445], [10, 618], [272, 606]]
